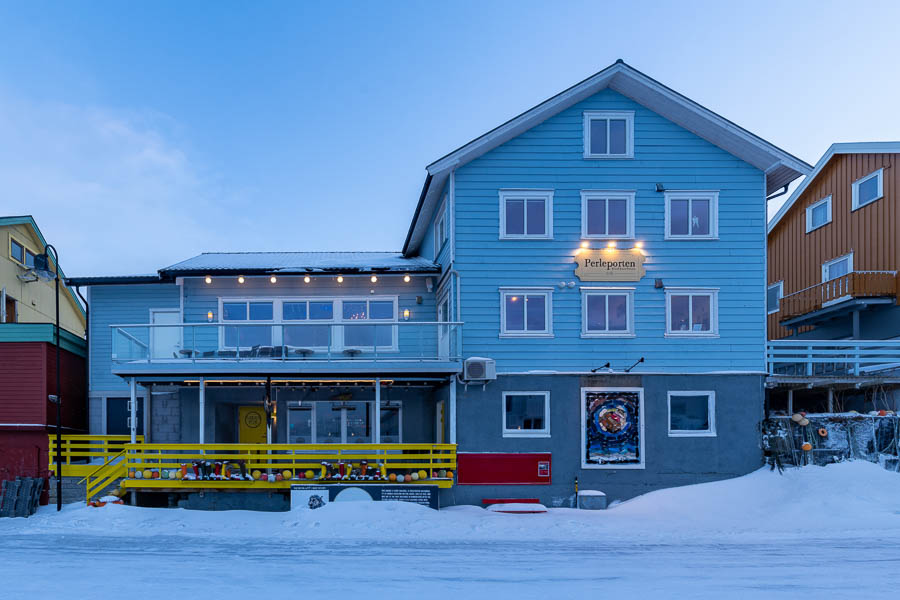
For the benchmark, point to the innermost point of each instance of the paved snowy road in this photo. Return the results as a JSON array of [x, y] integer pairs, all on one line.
[[66, 566]]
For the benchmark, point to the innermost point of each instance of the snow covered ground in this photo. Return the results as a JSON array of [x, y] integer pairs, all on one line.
[[825, 532]]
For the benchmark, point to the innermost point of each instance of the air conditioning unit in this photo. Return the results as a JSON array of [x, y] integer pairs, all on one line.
[[479, 369]]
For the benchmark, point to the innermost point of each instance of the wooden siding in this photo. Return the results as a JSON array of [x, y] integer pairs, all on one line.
[[796, 257], [550, 156], [23, 389]]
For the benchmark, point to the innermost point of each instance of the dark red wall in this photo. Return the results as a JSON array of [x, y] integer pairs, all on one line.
[[23, 377]]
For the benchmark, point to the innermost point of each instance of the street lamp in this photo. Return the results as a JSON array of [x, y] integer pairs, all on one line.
[[42, 270]]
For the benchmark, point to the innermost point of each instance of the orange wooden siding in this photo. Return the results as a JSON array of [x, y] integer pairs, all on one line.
[[795, 257]]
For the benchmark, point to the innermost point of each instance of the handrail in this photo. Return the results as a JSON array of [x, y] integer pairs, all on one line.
[[799, 357], [821, 283], [101, 466], [855, 284], [308, 323]]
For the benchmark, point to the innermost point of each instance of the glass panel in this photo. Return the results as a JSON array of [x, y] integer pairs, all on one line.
[[306, 336], [596, 216], [294, 311], [598, 136], [700, 217], [515, 217], [254, 335], [536, 313], [381, 310], [678, 217], [680, 309], [820, 215], [29, 258], [323, 311], [838, 268], [390, 425], [359, 427], [234, 311], [355, 310], [16, 250], [260, 311], [384, 335], [596, 312], [700, 319], [618, 216], [618, 312], [328, 423], [231, 337], [772, 298], [536, 214], [359, 335], [617, 136], [515, 312], [300, 426], [525, 412], [689, 413], [868, 190]]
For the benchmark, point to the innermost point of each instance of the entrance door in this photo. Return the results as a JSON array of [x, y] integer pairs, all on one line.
[[444, 330], [252, 428], [165, 342], [117, 414]]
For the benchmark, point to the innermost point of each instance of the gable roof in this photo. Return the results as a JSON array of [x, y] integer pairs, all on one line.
[[840, 148], [29, 221], [780, 167]]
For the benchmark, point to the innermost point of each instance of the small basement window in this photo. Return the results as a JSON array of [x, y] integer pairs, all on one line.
[[818, 214], [526, 414], [609, 134], [692, 414], [774, 294], [868, 189]]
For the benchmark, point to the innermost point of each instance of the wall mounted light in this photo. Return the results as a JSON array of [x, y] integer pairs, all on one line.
[[340, 279], [611, 245], [639, 245], [660, 187], [373, 278], [406, 314], [240, 279], [210, 316], [658, 284], [585, 244], [208, 280], [407, 278], [306, 279], [273, 279]]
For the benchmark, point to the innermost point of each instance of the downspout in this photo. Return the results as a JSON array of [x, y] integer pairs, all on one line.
[[776, 194], [456, 274], [87, 356]]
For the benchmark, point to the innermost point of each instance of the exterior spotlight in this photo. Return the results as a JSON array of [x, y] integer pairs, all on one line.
[[406, 314], [373, 278], [406, 278], [611, 245], [585, 244], [340, 279], [306, 279], [639, 245], [209, 316], [240, 279], [273, 279], [208, 279]]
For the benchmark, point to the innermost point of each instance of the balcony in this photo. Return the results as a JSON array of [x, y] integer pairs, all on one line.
[[877, 285], [281, 347], [833, 358]]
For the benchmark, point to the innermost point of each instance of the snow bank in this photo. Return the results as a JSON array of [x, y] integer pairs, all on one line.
[[857, 497]]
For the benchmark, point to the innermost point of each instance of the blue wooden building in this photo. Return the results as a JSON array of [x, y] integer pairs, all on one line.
[[581, 295]]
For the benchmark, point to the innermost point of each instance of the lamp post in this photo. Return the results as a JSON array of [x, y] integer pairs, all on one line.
[[42, 270]]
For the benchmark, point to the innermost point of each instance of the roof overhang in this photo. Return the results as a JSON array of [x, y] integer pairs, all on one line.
[[780, 167], [842, 148]]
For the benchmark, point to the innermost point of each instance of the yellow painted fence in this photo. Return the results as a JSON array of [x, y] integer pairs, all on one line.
[[83, 454]]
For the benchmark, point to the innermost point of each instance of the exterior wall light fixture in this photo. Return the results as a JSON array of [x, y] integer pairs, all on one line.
[[373, 278], [407, 278], [406, 314], [241, 279], [273, 279], [611, 245], [306, 279], [208, 280], [340, 279], [210, 316]]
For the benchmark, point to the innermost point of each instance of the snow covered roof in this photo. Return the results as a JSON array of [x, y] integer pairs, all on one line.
[[298, 262]]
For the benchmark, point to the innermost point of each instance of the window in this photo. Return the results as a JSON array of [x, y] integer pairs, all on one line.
[[837, 268], [526, 214], [607, 312], [525, 312], [818, 214], [692, 312], [692, 414], [370, 311], [692, 215], [16, 251], [440, 231], [307, 335], [868, 189], [526, 414], [607, 215], [247, 336], [774, 294], [10, 315], [608, 134]]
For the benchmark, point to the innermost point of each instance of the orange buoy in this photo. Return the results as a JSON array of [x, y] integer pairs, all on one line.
[[392, 477], [823, 432], [806, 446]]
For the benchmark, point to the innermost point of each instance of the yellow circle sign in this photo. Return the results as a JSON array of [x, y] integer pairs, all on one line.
[[252, 420]]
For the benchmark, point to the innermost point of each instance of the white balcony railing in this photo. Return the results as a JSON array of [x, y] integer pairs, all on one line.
[[808, 358]]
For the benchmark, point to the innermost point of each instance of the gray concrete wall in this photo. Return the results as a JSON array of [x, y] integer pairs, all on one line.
[[165, 415], [669, 461]]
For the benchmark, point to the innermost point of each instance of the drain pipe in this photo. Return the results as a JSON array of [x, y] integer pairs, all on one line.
[[87, 355]]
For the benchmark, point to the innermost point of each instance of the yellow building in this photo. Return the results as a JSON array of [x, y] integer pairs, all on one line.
[[23, 297]]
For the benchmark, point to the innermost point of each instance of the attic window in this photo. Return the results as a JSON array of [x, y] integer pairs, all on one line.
[[609, 134], [868, 189]]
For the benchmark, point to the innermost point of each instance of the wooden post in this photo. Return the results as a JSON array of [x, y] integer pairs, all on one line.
[[132, 407]]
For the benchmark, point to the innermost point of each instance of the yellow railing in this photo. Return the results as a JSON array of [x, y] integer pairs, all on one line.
[[104, 475], [82, 454], [281, 465]]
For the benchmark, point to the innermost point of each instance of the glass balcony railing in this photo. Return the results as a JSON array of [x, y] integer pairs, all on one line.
[[364, 340]]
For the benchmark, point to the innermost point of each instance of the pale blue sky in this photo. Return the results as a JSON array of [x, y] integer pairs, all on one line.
[[139, 134]]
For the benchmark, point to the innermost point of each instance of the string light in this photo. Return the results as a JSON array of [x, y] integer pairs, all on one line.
[[611, 245], [208, 279], [585, 244], [340, 279], [406, 278], [273, 279], [306, 279], [373, 278], [639, 245], [240, 279]]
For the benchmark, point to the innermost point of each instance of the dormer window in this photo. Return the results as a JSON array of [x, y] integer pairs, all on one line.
[[609, 134]]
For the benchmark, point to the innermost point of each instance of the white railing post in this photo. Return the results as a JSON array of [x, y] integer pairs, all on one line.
[[809, 364]]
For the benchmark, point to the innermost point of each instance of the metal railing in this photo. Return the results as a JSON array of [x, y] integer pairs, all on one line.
[[856, 284], [808, 358], [296, 341]]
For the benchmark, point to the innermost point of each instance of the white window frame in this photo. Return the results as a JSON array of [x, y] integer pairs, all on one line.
[[713, 293], [527, 194], [626, 115], [641, 416], [780, 286], [827, 265], [627, 195], [690, 195], [275, 341], [547, 292], [855, 189], [628, 292], [809, 214], [711, 407], [440, 230], [526, 433]]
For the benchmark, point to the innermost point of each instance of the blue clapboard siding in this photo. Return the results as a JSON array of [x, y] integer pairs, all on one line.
[[120, 305], [550, 156]]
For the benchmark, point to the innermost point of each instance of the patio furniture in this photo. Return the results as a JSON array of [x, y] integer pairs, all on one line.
[[352, 352]]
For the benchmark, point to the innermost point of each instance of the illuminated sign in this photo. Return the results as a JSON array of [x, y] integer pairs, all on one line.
[[609, 264]]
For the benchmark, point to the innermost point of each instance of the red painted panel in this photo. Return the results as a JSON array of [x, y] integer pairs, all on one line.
[[22, 378], [520, 468], [74, 389]]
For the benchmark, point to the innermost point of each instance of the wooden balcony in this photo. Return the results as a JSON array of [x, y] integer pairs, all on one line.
[[857, 284]]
